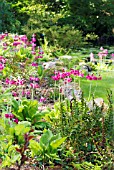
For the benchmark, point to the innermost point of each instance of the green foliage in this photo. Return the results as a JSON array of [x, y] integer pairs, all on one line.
[[46, 149], [98, 18], [87, 130], [14, 140], [7, 20], [28, 111]]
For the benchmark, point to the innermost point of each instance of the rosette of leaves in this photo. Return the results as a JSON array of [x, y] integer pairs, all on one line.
[[27, 110]]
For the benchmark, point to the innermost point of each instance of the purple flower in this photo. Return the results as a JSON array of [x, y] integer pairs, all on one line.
[[19, 82], [15, 43], [93, 77], [9, 115], [34, 64], [16, 120], [23, 38], [11, 82]]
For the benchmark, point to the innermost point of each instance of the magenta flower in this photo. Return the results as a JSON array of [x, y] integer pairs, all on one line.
[[16, 38], [19, 82], [16, 120], [112, 54], [33, 39], [11, 82], [93, 77], [14, 94], [9, 115], [2, 59], [41, 52], [34, 86], [16, 43], [2, 36], [38, 57], [55, 78], [34, 79], [33, 45], [68, 80], [1, 66], [5, 45], [27, 93], [34, 64], [42, 99], [23, 38]]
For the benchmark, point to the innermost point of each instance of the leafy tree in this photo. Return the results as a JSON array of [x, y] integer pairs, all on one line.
[[91, 16], [7, 20]]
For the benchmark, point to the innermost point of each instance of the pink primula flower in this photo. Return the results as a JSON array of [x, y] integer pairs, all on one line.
[[11, 82], [92, 57], [34, 86], [93, 77], [42, 99], [16, 120], [9, 115], [1, 66], [34, 64]]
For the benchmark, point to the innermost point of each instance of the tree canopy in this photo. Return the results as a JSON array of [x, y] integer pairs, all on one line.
[[88, 16]]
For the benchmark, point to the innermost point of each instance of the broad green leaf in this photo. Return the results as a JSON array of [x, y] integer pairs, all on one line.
[[35, 147], [40, 70], [45, 138], [21, 129], [55, 144]]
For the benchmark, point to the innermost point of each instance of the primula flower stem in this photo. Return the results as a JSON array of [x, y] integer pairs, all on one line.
[[32, 94], [89, 92], [54, 91]]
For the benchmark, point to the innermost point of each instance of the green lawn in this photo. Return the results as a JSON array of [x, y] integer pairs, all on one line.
[[99, 88]]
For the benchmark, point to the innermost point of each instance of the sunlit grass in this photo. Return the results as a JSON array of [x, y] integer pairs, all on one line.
[[98, 88]]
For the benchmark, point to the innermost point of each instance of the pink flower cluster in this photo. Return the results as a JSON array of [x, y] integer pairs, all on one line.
[[14, 82], [42, 99], [26, 93], [34, 79], [2, 62], [93, 77], [11, 117], [112, 56], [102, 54], [63, 75], [34, 64], [2, 36], [34, 85]]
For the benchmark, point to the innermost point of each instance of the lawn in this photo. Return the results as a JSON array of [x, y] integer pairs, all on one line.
[[98, 88]]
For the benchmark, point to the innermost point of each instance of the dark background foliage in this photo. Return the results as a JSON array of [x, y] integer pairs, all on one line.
[[40, 16]]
